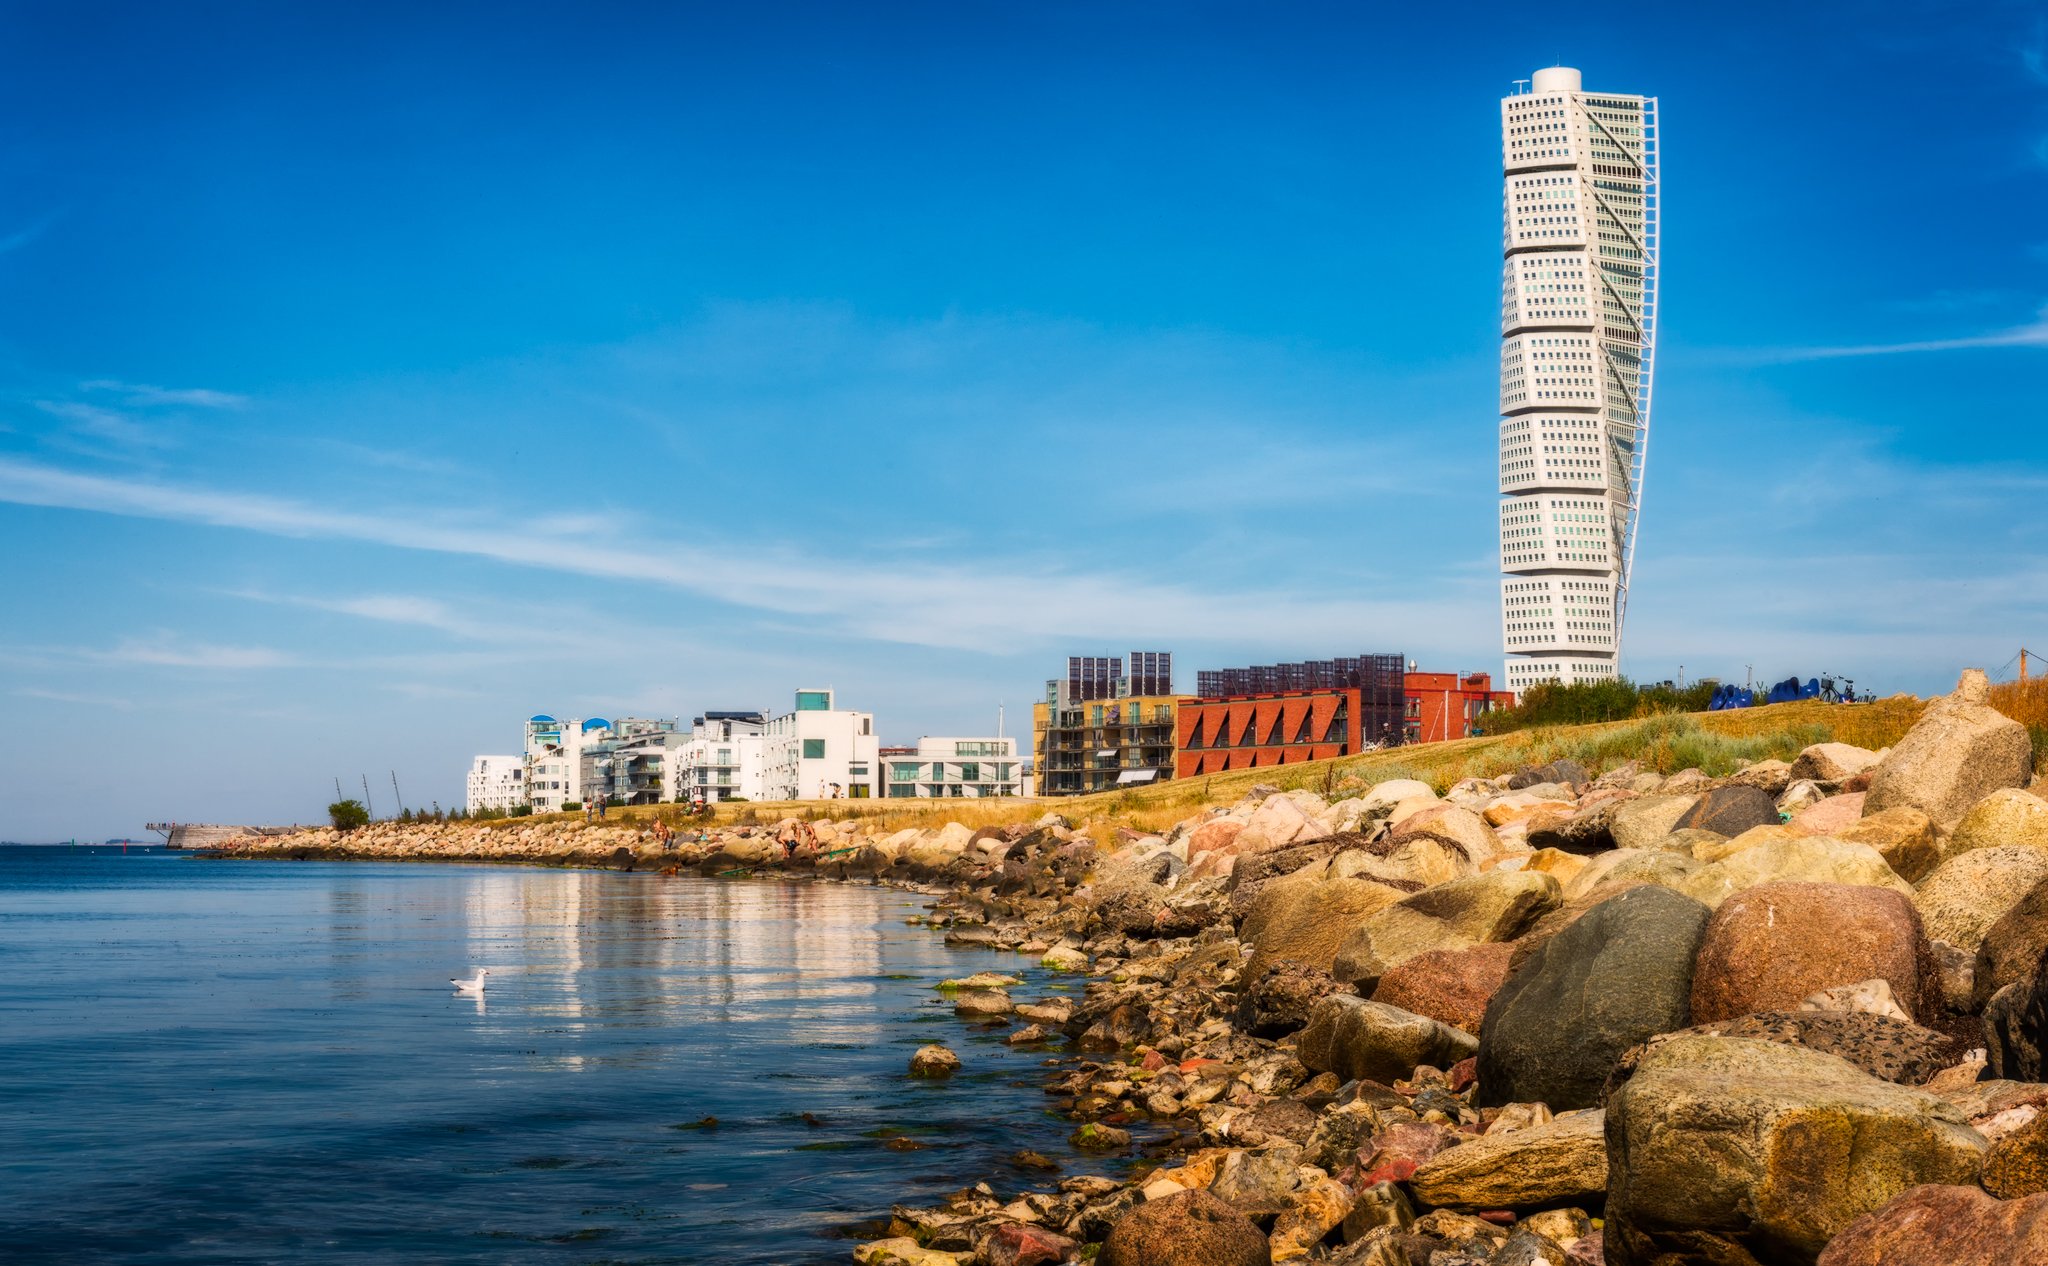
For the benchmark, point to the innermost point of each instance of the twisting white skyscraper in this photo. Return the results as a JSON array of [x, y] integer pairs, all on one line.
[[1578, 330]]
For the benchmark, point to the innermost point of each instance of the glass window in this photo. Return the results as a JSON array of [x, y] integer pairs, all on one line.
[[814, 749], [970, 772], [813, 701]]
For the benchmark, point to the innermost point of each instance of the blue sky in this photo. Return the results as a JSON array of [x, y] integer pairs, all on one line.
[[371, 377]]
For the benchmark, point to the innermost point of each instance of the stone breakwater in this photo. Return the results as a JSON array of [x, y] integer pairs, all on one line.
[[1798, 1014]]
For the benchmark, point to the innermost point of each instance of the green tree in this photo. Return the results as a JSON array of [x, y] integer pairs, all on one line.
[[348, 815]]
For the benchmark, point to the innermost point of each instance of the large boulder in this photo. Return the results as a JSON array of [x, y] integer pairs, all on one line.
[[1965, 895], [1453, 824], [1619, 975], [1894, 1050], [1309, 920], [1830, 815], [1833, 762], [1385, 795], [2006, 817], [2017, 1164], [1352, 1037], [1629, 866], [1770, 946], [1496, 906], [1304, 863], [1453, 986], [1902, 835], [1276, 823], [2016, 1028], [1714, 848], [1563, 1160], [1949, 1225], [1794, 860], [2013, 945], [1643, 821], [1958, 752], [1420, 861], [1731, 810], [1733, 1150], [1193, 1228], [1281, 997], [1590, 830]]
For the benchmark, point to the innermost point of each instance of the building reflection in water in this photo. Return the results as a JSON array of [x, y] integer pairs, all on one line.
[[584, 950]]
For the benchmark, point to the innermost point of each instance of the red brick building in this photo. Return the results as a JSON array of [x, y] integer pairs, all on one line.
[[1447, 705], [1252, 731]]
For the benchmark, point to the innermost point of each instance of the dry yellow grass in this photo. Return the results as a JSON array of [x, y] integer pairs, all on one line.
[[2027, 703], [1715, 741]]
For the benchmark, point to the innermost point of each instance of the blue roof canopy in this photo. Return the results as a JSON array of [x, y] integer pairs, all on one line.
[[543, 718]]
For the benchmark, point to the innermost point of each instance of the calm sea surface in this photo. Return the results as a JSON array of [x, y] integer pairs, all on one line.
[[263, 1062]]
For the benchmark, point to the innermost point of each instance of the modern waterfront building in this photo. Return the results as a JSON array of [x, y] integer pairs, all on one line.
[[1257, 730], [497, 782], [1102, 744], [568, 762], [952, 767], [1092, 677], [1448, 705], [1578, 338], [723, 758], [816, 752], [1376, 678]]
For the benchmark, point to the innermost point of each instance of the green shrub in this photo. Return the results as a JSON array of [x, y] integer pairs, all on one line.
[[571, 806], [522, 810], [1589, 703], [348, 815]]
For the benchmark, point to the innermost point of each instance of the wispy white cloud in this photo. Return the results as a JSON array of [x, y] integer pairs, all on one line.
[[994, 604], [146, 394], [165, 651], [104, 424], [2032, 334], [389, 458], [80, 700]]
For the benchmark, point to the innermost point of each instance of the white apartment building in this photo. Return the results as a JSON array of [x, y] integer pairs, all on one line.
[[570, 762], [954, 767], [497, 782], [816, 752], [723, 758], [1578, 337]]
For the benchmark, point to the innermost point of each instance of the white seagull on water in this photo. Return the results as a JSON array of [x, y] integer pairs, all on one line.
[[474, 985]]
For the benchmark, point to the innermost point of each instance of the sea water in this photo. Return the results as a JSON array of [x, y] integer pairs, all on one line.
[[243, 1061]]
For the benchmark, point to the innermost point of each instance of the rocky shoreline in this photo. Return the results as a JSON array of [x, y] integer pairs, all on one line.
[[1565, 1016]]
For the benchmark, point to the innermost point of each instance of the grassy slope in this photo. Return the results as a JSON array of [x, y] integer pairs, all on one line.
[[1714, 741]]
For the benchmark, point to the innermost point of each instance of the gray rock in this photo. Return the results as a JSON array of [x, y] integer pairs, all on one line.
[[1190, 1229], [1557, 1161], [1644, 821], [1967, 894], [1728, 1150], [1355, 1038], [2013, 944], [1620, 974], [1958, 752], [1496, 906], [2016, 1029], [1281, 998], [1731, 810]]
